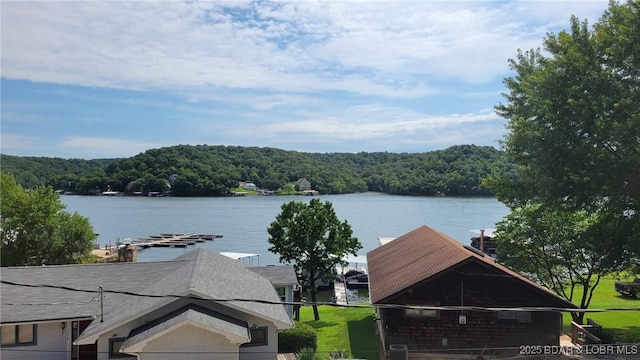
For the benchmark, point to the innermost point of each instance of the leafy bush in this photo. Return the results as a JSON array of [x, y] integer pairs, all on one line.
[[307, 354], [607, 336], [620, 336], [295, 339], [339, 354]]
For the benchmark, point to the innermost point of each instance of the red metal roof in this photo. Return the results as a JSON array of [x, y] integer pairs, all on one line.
[[419, 255]]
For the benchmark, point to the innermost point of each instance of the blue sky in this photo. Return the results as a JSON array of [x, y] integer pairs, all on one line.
[[98, 79]]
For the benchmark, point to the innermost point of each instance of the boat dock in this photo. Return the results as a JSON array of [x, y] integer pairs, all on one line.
[[172, 240], [340, 292]]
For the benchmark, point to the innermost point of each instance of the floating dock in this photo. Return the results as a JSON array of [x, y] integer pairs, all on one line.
[[173, 240]]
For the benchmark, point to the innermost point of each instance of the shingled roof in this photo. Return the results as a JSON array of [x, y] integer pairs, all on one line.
[[47, 295], [200, 273], [279, 275], [422, 254]]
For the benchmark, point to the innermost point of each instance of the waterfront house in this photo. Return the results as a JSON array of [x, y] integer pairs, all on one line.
[[303, 184], [248, 185], [426, 268], [197, 306]]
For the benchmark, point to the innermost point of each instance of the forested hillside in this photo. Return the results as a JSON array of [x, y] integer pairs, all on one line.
[[31, 172], [205, 170]]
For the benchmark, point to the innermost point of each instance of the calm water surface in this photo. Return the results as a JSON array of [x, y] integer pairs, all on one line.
[[243, 221]]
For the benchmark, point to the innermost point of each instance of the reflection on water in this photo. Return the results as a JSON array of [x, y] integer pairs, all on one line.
[[358, 296], [354, 296]]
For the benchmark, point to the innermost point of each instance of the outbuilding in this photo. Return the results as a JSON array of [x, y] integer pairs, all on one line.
[[433, 293]]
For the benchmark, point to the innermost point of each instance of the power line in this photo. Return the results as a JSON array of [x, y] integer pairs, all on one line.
[[307, 303]]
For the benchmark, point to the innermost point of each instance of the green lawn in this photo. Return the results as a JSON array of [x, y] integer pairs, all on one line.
[[353, 330], [623, 326], [344, 329]]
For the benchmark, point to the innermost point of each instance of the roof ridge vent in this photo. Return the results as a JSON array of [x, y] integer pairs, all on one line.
[[473, 250]]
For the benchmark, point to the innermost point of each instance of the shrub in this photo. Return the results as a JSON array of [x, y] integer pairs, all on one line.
[[339, 354], [607, 336], [295, 339], [307, 354]]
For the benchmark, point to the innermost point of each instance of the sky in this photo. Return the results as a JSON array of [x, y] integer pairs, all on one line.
[[112, 79]]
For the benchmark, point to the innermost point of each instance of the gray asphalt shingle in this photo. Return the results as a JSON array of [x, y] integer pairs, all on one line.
[[200, 272]]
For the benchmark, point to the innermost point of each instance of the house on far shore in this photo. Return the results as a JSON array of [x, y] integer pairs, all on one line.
[[426, 268], [303, 184], [248, 185], [191, 307]]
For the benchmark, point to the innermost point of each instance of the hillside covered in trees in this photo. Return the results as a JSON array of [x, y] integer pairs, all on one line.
[[205, 170]]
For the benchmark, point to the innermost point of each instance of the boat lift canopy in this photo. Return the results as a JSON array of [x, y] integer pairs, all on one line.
[[356, 262], [355, 259], [246, 258]]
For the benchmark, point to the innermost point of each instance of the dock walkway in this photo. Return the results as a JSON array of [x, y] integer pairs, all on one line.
[[340, 291]]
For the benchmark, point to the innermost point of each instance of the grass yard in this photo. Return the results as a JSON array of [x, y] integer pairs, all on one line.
[[353, 329], [344, 329], [623, 326]]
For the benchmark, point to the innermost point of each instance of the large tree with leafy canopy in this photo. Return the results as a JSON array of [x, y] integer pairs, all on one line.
[[313, 239], [574, 132], [35, 228]]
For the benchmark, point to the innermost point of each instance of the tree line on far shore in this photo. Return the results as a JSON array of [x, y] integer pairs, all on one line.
[[206, 170]]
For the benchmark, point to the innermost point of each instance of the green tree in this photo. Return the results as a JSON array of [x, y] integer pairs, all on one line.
[[312, 238], [35, 228], [567, 251], [574, 134]]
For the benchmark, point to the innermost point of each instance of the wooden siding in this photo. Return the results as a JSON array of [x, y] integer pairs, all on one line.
[[481, 287]]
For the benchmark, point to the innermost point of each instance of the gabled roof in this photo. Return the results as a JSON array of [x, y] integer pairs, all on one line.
[[208, 275], [420, 255], [234, 329], [200, 273]]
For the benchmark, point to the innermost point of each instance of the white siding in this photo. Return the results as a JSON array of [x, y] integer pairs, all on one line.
[[190, 342], [195, 340], [103, 341], [270, 351], [52, 343]]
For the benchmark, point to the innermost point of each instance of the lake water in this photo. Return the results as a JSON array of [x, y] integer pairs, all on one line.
[[243, 221]]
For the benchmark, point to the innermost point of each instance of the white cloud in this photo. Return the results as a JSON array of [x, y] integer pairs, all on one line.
[[373, 48], [99, 147], [305, 75], [332, 128]]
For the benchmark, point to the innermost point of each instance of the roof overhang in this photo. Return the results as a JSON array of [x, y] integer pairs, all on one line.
[[92, 337], [236, 305], [43, 321], [234, 330], [513, 276]]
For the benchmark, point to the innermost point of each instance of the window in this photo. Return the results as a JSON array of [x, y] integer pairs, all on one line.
[[114, 348], [258, 336], [282, 292], [425, 313], [17, 335], [519, 316]]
